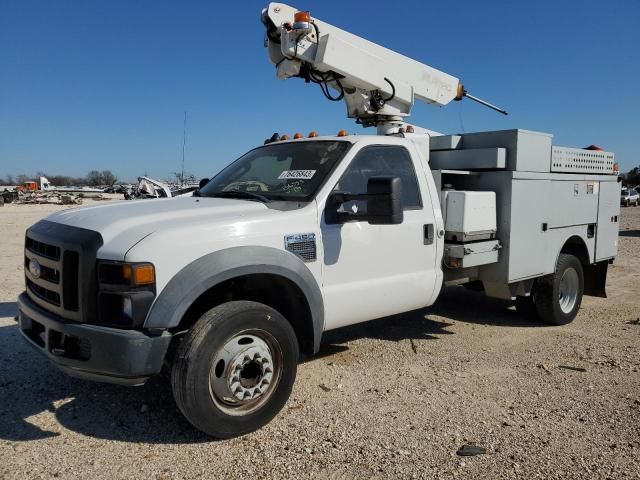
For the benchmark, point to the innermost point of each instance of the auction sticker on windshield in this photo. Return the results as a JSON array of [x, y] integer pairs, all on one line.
[[297, 175]]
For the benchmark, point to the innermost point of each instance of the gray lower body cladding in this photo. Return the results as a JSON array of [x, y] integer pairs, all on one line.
[[125, 357]]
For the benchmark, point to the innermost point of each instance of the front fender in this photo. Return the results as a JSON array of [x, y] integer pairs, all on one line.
[[214, 268]]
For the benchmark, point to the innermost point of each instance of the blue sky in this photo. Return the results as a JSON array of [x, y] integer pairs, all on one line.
[[104, 84]]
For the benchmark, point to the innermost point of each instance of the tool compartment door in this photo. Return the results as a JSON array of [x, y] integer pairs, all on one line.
[[608, 220]]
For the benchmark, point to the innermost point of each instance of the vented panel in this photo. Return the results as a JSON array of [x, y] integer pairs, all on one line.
[[302, 244], [578, 160]]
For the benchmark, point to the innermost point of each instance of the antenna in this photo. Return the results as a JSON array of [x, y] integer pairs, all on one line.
[[184, 143], [484, 102]]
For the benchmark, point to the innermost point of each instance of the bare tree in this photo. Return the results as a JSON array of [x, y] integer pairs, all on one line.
[[94, 178], [62, 180], [632, 177], [20, 179], [8, 180], [108, 177]]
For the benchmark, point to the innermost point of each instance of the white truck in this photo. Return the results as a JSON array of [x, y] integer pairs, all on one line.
[[300, 236]]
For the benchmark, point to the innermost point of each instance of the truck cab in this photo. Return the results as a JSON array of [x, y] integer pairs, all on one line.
[[28, 187], [109, 289]]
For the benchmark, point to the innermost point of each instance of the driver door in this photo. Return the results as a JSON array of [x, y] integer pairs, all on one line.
[[372, 271]]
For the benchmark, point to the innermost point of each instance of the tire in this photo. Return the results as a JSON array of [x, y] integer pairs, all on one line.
[[558, 296], [235, 368], [526, 307]]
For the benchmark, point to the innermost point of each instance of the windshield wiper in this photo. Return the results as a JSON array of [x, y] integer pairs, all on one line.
[[241, 194]]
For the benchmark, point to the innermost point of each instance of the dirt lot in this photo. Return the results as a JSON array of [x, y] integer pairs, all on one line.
[[395, 398]]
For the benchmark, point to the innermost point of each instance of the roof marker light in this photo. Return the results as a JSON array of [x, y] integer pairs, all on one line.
[[298, 135], [284, 137], [301, 21], [313, 134], [342, 133]]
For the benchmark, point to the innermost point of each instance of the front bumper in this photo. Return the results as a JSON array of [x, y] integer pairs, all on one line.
[[91, 352]]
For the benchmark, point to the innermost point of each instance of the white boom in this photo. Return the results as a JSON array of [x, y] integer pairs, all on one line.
[[377, 84]]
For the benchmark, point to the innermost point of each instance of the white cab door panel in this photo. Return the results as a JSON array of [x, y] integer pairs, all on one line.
[[371, 271]]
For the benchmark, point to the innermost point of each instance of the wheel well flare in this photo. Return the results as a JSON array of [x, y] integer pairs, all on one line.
[[276, 291]]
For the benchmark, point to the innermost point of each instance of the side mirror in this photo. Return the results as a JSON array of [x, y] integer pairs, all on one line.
[[202, 183], [384, 203]]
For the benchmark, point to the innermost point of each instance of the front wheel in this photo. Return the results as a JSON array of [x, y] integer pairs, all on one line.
[[235, 368], [558, 296]]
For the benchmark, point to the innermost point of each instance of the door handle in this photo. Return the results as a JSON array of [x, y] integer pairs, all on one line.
[[428, 234]]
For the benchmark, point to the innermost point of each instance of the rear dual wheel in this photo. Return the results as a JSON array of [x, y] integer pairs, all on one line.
[[556, 298], [235, 368]]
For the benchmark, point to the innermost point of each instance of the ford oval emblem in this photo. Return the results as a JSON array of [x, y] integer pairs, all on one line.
[[34, 268]]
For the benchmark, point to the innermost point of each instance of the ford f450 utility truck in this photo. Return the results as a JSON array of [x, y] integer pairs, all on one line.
[[308, 234]]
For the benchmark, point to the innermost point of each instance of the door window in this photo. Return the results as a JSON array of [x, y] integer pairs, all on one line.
[[380, 161]]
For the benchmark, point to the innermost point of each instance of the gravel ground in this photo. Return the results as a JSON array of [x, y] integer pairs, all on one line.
[[394, 398]]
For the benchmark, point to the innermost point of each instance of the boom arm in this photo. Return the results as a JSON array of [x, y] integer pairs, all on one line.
[[377, 84]]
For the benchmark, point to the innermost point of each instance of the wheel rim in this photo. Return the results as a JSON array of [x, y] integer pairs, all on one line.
[[568, 292], [245, 372]]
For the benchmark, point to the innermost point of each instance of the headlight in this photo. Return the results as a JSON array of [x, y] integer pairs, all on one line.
[[133, 274], [126, 292]]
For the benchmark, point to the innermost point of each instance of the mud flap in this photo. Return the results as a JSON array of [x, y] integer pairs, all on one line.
[[595, 279]]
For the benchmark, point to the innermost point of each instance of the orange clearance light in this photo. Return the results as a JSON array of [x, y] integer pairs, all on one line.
[[342, 133], [302, 22], [409, 129], [313, 134], [298, 135], [616, 168], [144, 274], [284, 137], [302, 17]]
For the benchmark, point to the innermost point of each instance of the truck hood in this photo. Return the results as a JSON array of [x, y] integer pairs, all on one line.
[[123, 224]]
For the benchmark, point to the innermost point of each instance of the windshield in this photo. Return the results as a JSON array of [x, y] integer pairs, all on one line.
[[282, 171], [625, 192]]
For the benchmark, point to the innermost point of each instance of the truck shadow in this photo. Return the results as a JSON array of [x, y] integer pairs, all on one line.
[[455, 304], [413, 325], [8, 309], [37, 399], [462, 305]]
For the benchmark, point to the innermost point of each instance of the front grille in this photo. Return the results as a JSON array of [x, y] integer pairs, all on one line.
[[43, 249], [44, 293], [49, 274], [60, 269], [53, 281], [70, 280]]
